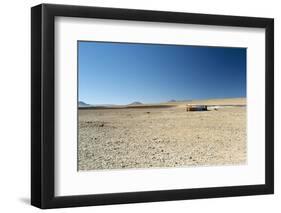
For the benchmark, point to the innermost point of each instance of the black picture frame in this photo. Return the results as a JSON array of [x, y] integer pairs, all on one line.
[[43, 102]]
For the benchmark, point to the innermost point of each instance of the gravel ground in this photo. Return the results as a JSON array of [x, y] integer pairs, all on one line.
[[162, 137]]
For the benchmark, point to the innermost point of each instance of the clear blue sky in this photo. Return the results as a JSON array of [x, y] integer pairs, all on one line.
[[121, 73]]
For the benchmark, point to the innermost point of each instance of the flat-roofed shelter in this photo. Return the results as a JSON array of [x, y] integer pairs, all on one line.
[[190, 107]]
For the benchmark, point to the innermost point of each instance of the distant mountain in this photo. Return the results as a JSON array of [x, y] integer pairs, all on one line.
[[172, 100], [83, 104], [135, 103]]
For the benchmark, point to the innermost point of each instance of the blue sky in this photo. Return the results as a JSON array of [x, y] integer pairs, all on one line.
[[121, 73]]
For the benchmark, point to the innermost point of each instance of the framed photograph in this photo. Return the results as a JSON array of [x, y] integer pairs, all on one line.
[[140, 106]]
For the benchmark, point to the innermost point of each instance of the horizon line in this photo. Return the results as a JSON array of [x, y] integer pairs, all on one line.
[[171, 100]]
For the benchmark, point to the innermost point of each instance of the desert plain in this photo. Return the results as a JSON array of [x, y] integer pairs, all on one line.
[[162, 135]]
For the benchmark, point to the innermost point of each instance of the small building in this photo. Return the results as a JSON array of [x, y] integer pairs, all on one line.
[[190, 107]]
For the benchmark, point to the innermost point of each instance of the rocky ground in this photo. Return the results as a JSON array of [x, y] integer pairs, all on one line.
[[161, 137]]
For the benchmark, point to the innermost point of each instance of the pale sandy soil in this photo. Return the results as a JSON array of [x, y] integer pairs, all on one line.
[[162, 137]]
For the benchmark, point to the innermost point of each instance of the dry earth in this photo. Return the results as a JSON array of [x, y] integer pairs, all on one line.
[[163, 137]]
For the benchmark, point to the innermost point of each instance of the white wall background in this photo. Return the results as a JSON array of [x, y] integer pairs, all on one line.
[[15, 105]]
